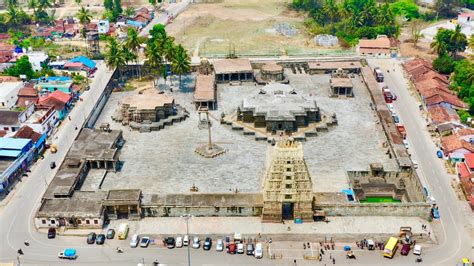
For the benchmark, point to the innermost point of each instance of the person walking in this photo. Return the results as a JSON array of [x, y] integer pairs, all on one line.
[[333, 261]]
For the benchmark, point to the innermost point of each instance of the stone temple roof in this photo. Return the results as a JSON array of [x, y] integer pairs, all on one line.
[[278, 102]]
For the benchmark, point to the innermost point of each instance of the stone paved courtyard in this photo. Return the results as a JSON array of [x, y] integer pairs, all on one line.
[[165, 162]]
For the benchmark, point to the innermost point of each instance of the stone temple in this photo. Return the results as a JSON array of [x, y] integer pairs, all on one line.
[[278, 107], [287, 192]]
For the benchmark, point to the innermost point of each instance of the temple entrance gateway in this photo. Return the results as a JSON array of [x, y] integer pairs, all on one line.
[[287, 211]]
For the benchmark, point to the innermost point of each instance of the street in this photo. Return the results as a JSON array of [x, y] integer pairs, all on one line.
[[162, 18]]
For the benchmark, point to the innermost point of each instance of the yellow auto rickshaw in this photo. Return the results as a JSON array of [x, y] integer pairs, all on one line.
[[54, 149]]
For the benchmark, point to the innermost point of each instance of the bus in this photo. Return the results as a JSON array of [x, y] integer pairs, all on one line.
[[123, 231], [390, 247]]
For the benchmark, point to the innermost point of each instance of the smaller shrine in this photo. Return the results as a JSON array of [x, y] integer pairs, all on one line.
[[271, 72]]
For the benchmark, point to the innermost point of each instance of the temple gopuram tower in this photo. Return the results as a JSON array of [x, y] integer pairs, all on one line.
[[287, 191]]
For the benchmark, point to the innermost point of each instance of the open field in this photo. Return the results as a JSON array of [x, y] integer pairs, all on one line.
[[247, 26]]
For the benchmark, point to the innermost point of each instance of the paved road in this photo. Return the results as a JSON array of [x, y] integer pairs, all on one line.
[[162, 18], [453, 230]]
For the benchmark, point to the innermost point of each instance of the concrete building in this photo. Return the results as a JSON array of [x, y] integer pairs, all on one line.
[[38, 139], [103, 26], [60, 101], [16, 155], [341, 84], [278, 107], [41, 118], [287, 191], [124, 203], [9, 94], [27, 95], [228, 70], [51, 84], [455, 147], [327, 67], [271, 72]]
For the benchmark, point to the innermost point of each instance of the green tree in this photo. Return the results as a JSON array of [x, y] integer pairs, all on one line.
[[444, 64], [154, 59], [115, 58], [129, 12], [85, 18], [12, 16], [22, 67], [441, 41], [45, 4], [471, 42], [458, 41], [78, 2], [405, 8], [109, 5], [181, 63], [117, 10], [133, 43], [32, 5]]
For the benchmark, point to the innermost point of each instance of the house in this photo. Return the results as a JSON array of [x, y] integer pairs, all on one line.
[[16, 155], [39, 140], [466, 18], [455, 147], [27, 95], [444, 118], [59, 100], [466, 134], [41, 118], [9, 94], [103, 26], [465, 172], [205, 91], [87, 64], [9, 121], [51, 84], [377, 47]]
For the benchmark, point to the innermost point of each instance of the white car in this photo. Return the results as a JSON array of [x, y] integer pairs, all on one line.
[[431, 200], [240, 248], [145, 242], [179, 242], [186, 240], [258, 251], [196, 242], [220, 245], [417, 250], [135, 240]]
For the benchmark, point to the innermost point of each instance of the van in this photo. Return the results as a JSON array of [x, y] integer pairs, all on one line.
[[405, 249], [135, 240], [259, 251], [417, 250], [186, 240], [123, 231]]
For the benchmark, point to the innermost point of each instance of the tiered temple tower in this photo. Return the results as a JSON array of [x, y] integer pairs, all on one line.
[[288, 191]]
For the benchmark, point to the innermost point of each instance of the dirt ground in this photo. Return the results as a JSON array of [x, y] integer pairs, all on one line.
[[407, 49], [247, 25]]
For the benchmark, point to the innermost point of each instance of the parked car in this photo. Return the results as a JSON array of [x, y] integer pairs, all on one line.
[[231, 248], [169, 242], [435, 213], [431, 200], [250, 249], [220, 245], [196, 242], [135, 240], [240, 248], [51, 232], [179, 242], [145, 242], [100, 240], [258, 251], [405, 249], [110, 233], [396, 119], [186, 240], [417, 250], [439, 154], [91, 238], [207, 243]]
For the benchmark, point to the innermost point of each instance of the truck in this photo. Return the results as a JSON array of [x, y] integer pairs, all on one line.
[[378, 74], [387, 94], [68, 253]]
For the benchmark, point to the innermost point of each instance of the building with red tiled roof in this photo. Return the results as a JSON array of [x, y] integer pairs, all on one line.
[[469, 160], [27, 95], [378, 46], [445, 98], [463, 171], [26, 132], [455, 147], [61, 102], [444, 118]]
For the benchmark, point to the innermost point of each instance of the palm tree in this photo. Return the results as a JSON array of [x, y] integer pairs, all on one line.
[[32, 4], [438, 45], [12, 15], [154, 57], [129, 12], [115, 57], [133, 43], [44, 4], [459, 40], [85, 18], [181, 62]]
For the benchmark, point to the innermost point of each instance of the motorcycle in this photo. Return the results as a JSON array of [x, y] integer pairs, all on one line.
[[419, 259], [119, 250]]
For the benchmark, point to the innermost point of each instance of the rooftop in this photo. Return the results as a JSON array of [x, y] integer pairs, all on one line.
[[84, 60], [278, 101], [272, 67], [453, 142], [380, 42], [27, 132], [8, 87], [95, 144], [469, 160], [206, 200], [341, 82], [13, 143], [9, 117], [205, 88], [148, 100], [67, 207], [226, 66], [322, 65], [440, 114]]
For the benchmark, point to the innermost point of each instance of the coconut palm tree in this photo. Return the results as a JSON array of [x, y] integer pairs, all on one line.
[[85, 18], [458, 40], [115, 57], [438, 45], [44, 4], [129, 12], [154, 59], [12, 15], [181, 62], [32, 5], [133, 43]]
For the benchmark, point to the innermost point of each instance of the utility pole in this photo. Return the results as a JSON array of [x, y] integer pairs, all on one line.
[[187, 217]]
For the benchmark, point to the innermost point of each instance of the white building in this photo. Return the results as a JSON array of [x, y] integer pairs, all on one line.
[[40, 119], [9, 94], [103, 26]]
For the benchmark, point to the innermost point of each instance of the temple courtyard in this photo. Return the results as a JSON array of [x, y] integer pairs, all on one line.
[[165, 161]]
